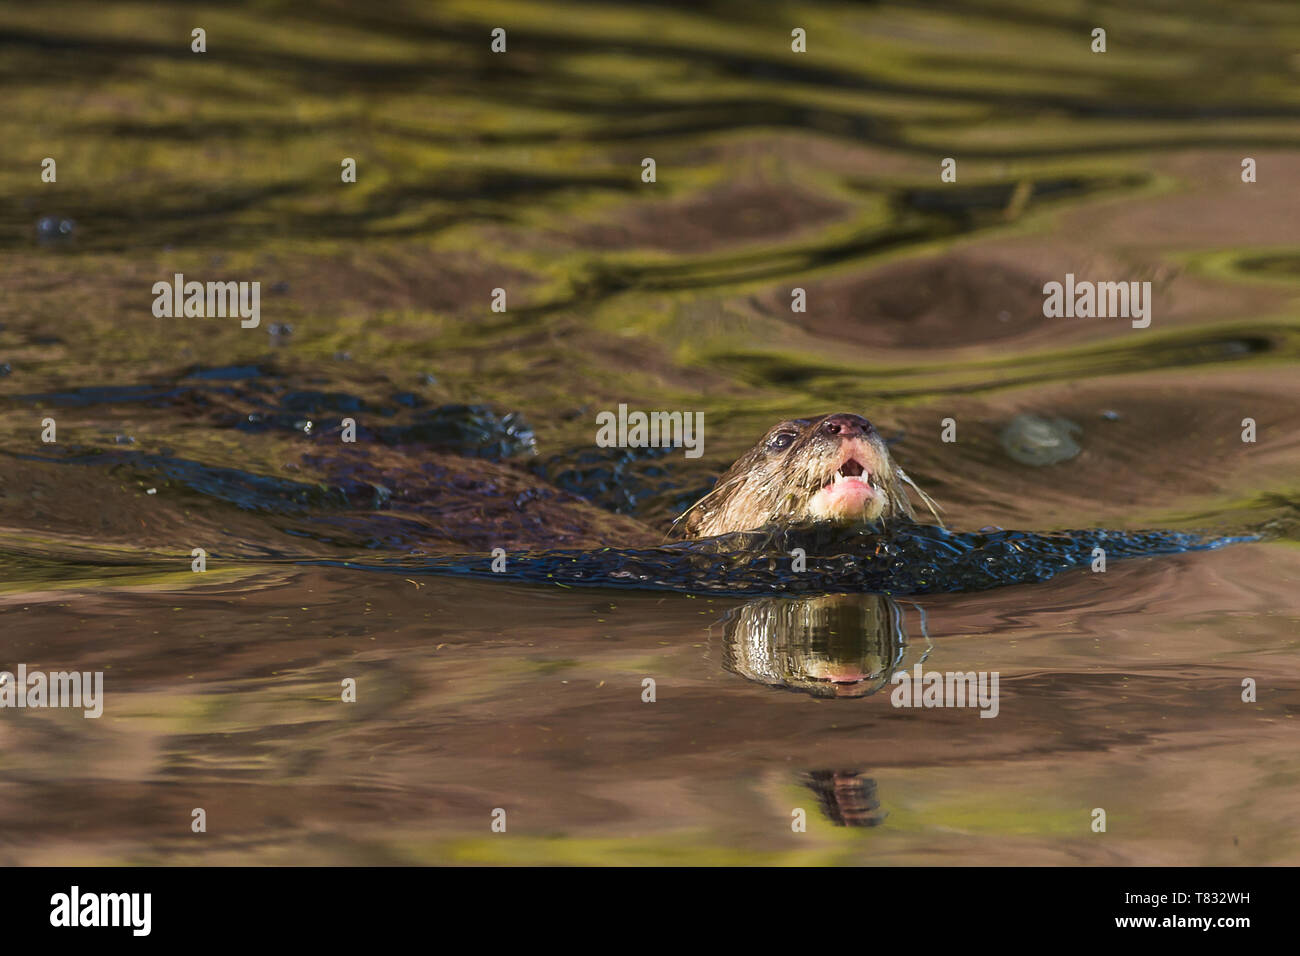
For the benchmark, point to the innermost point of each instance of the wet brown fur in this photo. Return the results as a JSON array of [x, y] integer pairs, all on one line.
[[770, 483]]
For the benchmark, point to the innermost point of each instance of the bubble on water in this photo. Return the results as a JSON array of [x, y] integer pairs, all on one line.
[[1033, 440], [52, 229], [5, 369], [124, 440], [1110, 415]]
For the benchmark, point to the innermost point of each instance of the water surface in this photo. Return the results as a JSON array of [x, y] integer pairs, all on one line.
[[325, 561]]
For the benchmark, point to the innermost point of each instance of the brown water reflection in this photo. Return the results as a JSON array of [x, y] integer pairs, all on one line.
[[1119, 691]]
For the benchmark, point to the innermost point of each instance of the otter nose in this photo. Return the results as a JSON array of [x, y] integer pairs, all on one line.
[[846, 426]]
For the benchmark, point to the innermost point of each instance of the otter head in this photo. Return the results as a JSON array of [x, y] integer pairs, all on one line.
[[835, 468]]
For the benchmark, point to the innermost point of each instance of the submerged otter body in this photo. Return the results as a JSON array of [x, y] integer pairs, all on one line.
[[835, 468], [828, 487]]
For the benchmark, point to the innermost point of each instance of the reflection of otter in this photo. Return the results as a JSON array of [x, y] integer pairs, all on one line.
[[847, 798], [834, 468], [833, 645]]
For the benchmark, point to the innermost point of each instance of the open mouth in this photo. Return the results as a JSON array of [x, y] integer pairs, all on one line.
[[852, 491], [846, 679], [854, 473]]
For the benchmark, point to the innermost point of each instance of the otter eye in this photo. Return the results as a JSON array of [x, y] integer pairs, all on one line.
[[780, 440]]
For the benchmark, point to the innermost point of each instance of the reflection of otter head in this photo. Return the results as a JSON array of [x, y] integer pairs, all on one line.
[[835, 468], [833, 645], [847, 797]]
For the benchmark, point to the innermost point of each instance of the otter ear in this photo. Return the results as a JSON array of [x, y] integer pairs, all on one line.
[[686, 523]]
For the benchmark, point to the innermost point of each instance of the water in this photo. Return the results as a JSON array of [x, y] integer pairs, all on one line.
[[524, 690]]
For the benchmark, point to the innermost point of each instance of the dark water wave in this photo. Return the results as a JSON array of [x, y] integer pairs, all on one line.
[[898, 560]]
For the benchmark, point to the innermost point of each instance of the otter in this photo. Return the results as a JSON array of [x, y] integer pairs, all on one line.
[[835, 469]]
